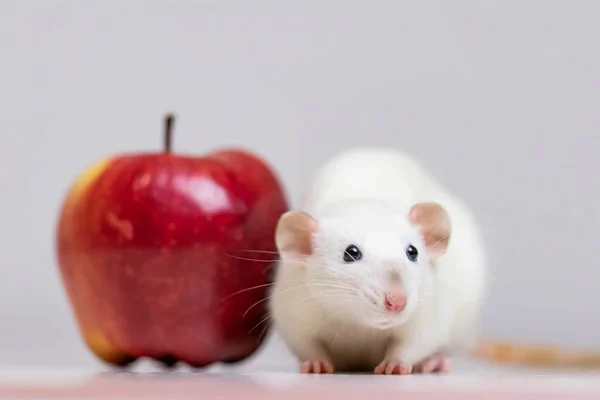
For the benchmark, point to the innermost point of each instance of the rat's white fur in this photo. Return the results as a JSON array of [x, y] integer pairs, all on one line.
[[326, 309]]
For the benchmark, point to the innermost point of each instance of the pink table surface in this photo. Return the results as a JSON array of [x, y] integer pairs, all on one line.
[[90, 384]]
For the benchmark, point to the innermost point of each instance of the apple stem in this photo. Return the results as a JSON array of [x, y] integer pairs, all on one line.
[[168, 135]]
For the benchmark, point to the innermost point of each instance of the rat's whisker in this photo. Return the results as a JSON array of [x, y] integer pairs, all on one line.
[[438, 242], [268, 267], [337, 335], [294, 302], [259, 287], [259, 251], [322, 298], [295, 287], [323, 323], [256, 303], [251, 259], [265, 330], [329, 296], [346, 288], [327, 285], [269, 297], [272, 260], [267, 317], [248, 289]]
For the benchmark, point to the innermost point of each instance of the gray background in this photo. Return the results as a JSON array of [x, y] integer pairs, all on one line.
[[499, 99]]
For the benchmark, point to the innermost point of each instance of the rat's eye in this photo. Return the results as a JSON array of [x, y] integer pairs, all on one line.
[[412, 253], [352, 253]]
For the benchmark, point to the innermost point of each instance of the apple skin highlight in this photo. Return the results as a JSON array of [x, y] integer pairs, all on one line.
[[150, 248]]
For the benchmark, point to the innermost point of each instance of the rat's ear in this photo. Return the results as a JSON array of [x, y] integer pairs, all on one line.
[[435, 226], [294, 235]]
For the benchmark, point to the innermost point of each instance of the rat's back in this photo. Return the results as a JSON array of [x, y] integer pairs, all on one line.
[[372, 174]]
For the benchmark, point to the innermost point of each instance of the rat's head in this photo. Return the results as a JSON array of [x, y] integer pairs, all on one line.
[[366, 262]]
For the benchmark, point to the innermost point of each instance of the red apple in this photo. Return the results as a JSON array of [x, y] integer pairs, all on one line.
[[153, 252]]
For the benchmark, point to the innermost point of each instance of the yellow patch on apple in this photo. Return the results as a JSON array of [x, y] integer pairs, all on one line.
[[88, 176], [100, 345]]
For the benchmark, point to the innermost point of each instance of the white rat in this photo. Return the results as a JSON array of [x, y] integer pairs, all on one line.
[[382, 270]]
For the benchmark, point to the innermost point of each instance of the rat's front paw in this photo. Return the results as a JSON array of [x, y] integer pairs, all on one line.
[[316, 367], [436, 363], [392, 366]]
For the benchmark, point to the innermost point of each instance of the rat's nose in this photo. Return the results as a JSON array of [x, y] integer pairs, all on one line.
[[395, 301]]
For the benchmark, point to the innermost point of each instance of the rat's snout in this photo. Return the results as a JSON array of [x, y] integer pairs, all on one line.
[[395, 301], [395, 298]]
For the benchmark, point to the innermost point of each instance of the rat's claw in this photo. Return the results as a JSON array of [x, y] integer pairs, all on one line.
[[433, 364], [393, 367], [444, 366], [316, 367]]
